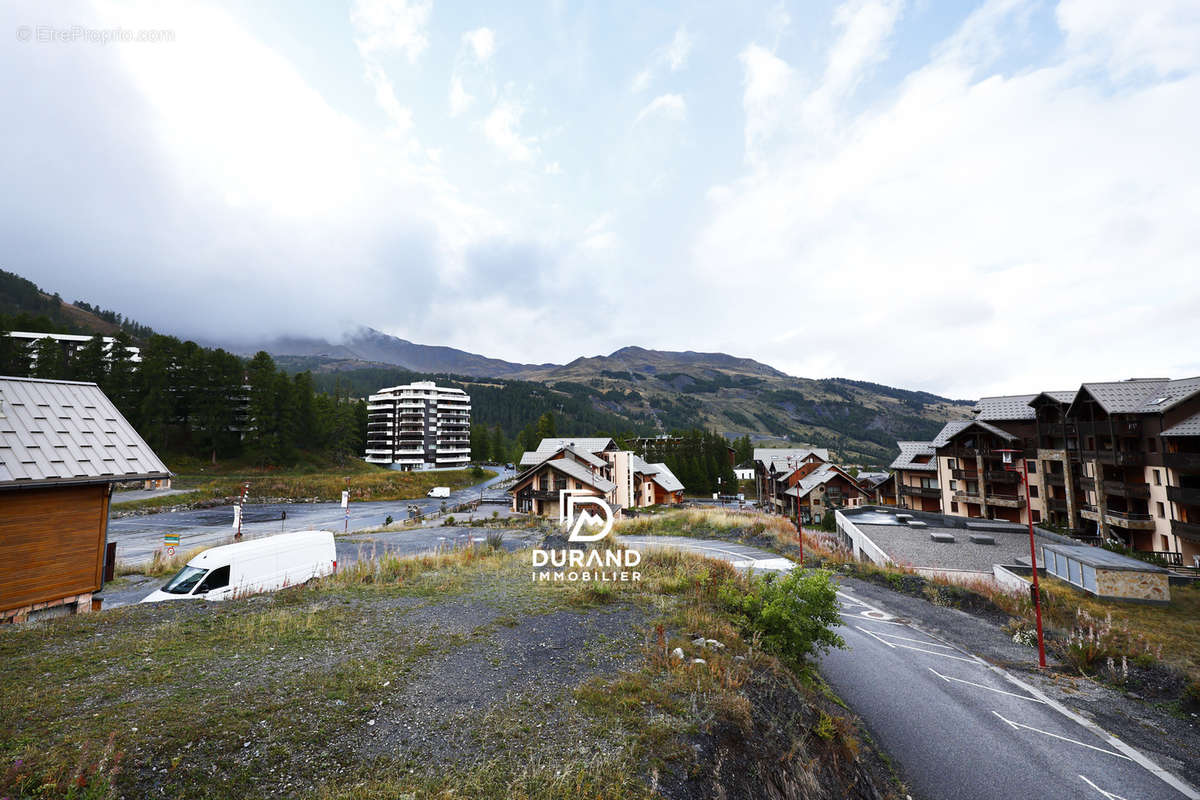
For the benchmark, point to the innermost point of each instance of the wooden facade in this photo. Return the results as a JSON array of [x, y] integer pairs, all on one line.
[[51, 546]]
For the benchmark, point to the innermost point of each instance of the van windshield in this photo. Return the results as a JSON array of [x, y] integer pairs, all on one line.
[[184, 580]]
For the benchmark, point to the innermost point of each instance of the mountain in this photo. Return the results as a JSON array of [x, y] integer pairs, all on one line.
[[632, 390], [370, 345]]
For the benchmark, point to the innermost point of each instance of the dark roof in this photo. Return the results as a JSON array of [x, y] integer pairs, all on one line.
[[1189, 427], [909, 451], [68, 432], [1063, 398], [992, 429], [572, 468], [948, 430], [1140, 395], [1007, 407]]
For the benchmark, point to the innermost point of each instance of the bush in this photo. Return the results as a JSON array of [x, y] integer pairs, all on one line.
[[795, 613], [388, 520], [448, 521], [476, 471], [495, 540]]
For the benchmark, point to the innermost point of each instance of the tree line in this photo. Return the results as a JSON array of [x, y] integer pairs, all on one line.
[[187, 399]]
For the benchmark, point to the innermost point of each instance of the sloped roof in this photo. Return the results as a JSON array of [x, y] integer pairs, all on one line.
[[548, 447], [872, 479], [582, 473], [666, 479], [767, 454], [68, 432], [819, 476], [1006, 407], [988, 427], [909, 451], [948, 430], [1188, 427], [1062, 397], [1140, 395]]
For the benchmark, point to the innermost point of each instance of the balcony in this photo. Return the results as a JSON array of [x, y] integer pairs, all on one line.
[[1056, 504], [965, 475], [1188, 530], [1129, 520], [1188, 462], [1187, 497], [1123, 489], [1119, 458], [1002, 475], [1005, 500], [920, 491], [1055, 479]]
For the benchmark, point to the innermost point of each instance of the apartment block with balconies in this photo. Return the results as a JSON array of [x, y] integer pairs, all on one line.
[[419, 426]]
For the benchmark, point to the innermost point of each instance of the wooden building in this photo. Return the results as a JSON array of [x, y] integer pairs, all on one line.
[[62, 446]]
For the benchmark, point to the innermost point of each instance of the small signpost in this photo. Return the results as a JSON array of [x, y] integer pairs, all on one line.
[[346, 505], [170, 541], [237, 511]]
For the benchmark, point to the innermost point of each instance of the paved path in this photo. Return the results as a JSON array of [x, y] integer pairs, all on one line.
[[740, 555], [959, 727], [138, 537]]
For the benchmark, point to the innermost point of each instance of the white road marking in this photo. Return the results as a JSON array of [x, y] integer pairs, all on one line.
[[916, 641], [1019, 725], [1108, 795], [949, 678], [893, 645]]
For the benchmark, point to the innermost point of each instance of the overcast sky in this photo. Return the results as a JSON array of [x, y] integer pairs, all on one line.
[[968, 200]]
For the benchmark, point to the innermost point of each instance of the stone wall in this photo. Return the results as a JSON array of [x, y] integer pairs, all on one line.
[[1127, 585]]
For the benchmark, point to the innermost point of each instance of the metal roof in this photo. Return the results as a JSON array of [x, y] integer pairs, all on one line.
[[67, 432], [1062, 397], [992, 429], [1006, 407], [1189, 427], [548, 447], [1101, 558], [820, 475], [666, 479], [909, 451]]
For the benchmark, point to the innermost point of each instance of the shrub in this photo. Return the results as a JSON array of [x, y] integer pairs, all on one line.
[[448, 521], [388, 520], [1089, 643], [795, 613], [495, 540]]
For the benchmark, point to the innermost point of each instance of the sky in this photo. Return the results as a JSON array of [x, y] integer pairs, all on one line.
[[969, 199]]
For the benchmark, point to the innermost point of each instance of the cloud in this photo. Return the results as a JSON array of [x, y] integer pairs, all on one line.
[[482, 42], [502, 128], [971, 228], [460, 101], [666, 106], [391, 25], [672, 56]]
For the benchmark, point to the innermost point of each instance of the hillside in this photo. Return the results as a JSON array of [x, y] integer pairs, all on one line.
[[633, 390]]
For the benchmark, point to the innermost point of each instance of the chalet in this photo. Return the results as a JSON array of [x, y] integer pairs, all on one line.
[[821, 490], [596, 466], [536, 489], [917, 477], [778, 469], [62, 446]]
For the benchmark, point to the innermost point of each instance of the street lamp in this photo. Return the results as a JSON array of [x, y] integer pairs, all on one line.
[[1009, 466]]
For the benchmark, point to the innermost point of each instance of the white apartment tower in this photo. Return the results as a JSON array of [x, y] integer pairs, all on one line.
[[419, 426]]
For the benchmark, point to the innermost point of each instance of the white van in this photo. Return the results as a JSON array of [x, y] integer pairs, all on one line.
[[439, 491], [259, 565]]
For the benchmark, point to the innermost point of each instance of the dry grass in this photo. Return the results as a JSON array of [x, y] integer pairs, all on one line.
[[161, 565]]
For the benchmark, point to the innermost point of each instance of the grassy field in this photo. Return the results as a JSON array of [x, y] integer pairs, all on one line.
[[451, 676], [312, 482]]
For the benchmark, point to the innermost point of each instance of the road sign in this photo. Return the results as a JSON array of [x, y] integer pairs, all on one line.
[[170, 539], [345, 499], [170, 552]]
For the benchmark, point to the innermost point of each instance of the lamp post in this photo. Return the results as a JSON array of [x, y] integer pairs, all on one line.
[[1007, 456], [800, 530]]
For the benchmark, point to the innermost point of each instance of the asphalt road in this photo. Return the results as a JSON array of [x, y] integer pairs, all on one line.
[[961, 728], [138, 537]]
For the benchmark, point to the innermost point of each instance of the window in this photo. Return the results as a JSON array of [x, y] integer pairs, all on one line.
[[953, 485], [953, 507], [1037, 516], [1157, 478], [1031, 467], [1089, 577], [217, 579], [184, 580], [1074, 575], [1152, 444], [1160, 510], [1033, 491], [951, 463]]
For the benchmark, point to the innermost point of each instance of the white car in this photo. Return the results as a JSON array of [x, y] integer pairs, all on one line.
[[259, 565]]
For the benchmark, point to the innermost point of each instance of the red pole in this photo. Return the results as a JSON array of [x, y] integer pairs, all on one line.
[[800, 528], [1037, 597]]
